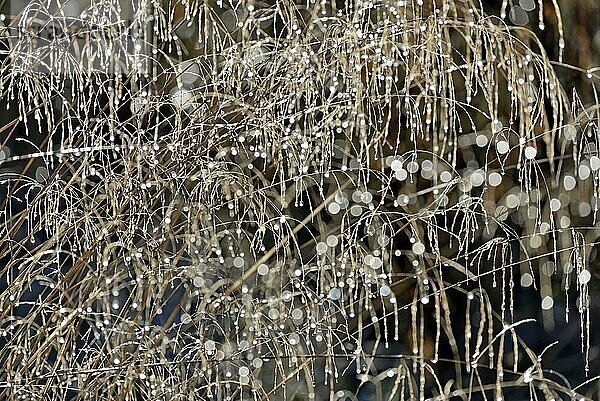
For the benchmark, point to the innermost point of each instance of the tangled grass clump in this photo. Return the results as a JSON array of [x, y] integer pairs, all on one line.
[[288, 200]]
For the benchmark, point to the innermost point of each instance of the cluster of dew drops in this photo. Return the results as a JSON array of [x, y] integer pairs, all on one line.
[[304, 305]]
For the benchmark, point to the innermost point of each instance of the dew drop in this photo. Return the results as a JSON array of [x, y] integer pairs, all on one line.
[[445, 176], [502, 147], [526, 280], [321, 248], [396, 165], [584, 277], [585, 209], [569, 132], [185, 318], [495, 179], [518, 16], [412, 167], [584, 172], [41, 174], [401, 175], [403, 200], [512, 201], [356, 210], [238, 262], [383, 240], [334, 294], [569, 182], [530, 152], [527, 5], [547, 303], [477, 178], [481, 140], [263, 269], [418, 248], [293, 339], [333, 208], [332, 240], [496, 126]]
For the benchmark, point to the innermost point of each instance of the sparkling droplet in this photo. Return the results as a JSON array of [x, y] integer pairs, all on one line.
[[403, 200], [332, 240], [512, 201], [401, 175], [412, 167], [481, 140], [273, 314], [569, 182], [418, 248], [321, 248], [209, 345], [384, 291], [569, 132], [496, 126], [356, 210], [185, 318], [527, 5], [334, 294], [263, 269], [445, 176], [526, 280], [495, 179], [518, 16], [396, 165], [238, 262], [293, 339], [535, 241], [41, 174], [584, 277], [584, 172], [502, 147], [547, 303], [333, 208], [383, 240], [530, 152], [477, 178]]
